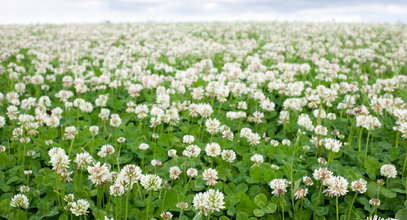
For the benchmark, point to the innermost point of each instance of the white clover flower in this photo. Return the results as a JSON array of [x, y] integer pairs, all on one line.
[[286, 142], [359, 186], [321, 130], [188, 139], [274, 143], [322, 174], [115, 120], [228, 156], [58, 159], [24, 189], [337, 186], [94, 130], [20, 201], [143, 146], [213, 149], [257, 159], [69, 197], [212, 125], [175, 171], [367, 121], [172, 153], [375, 202], [192, 172], [182, 205], [192, 151], [106, 150], [116, 190], [70, 132], [99, 174], [79, 207], [332, 144], [166, 215], [210, 175], [300, 193], [151, 182], [305, 121], [155, 163], [2, 121], [279, 186], [209, 201], [131, 173], [2, 148], [388, 170], [307, 181]]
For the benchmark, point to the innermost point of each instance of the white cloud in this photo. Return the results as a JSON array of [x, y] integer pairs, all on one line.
[[209, 6], [81, 11]]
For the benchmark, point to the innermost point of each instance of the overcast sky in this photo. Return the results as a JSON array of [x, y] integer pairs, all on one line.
[[85, 11]]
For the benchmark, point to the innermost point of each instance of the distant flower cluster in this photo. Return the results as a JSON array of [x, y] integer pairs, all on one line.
[[203, 120]]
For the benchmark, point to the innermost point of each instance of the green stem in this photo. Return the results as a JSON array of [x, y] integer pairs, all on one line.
[[317, 201], [337, 208], [127, 205], [70, 147], [330, 158], [405, 162], [282, 206], [360, 139], [351, 205], [116, 206], [397, 139], [367, 145], [118, 156], [162, 203], [182, 212], [148, 205], [209, 216], [292, 174]]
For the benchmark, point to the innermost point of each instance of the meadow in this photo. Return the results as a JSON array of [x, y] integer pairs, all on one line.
[[239, 120]]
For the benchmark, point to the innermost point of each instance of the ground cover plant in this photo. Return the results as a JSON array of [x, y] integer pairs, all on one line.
[[203, 121]]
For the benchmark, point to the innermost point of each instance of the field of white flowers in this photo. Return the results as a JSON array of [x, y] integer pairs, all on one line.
[[203, 121]]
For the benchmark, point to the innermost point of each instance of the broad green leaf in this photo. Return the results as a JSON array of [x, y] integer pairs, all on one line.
[[260, 200]]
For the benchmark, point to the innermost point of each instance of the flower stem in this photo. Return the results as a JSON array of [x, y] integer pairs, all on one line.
[[367, 145], [317, 201], [282, 206], [148, 205], [337, 208], [351, 205], [70, 147], [127, 205], [360, 139]]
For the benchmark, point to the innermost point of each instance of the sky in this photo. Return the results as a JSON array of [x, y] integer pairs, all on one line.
[[91, 11]]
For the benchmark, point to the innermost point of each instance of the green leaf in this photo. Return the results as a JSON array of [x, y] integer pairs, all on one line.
[[373, 189], [12, 180], [170, 198], [388, 194], [257, 174], [63, 217], [270, 208], [260, 200], [5, 208], [242, 216], [258, 212], [401, 214], [99, 213], [371, 165], [242, 187], [197, 216], [321, 211]]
